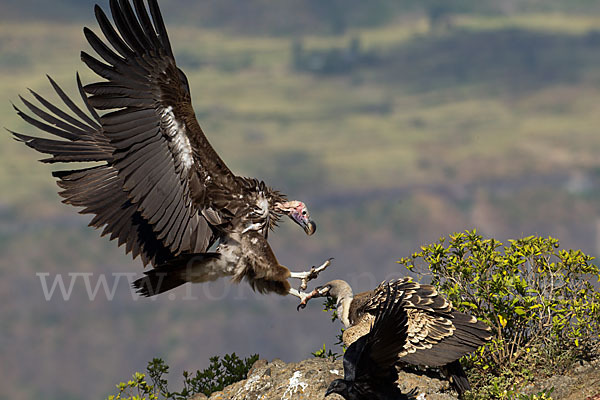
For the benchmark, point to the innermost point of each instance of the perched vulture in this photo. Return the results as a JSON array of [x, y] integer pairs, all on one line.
[[369, 362], [158, 186], [438, 335]]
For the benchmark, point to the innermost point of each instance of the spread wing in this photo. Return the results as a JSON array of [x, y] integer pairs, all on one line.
[[389, 332], [437, 334], [372, 357], [160, 151], [435, 343], [416, 296], [429, 316], [79, 137], [156, 165]]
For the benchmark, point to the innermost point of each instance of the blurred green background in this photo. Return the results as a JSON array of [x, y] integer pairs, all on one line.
[[397, 122]]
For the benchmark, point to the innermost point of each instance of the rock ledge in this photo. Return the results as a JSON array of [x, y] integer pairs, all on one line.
[[309, 379]]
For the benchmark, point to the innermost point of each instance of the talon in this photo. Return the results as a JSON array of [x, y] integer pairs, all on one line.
[[305, 298]]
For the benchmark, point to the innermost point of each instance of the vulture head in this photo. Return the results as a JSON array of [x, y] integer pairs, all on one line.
[[338, 386], [298, 212]]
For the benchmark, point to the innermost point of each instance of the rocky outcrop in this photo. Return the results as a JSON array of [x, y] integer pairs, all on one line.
[[309, 379]]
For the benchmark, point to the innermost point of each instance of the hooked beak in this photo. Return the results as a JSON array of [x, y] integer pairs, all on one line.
[[309, 226]]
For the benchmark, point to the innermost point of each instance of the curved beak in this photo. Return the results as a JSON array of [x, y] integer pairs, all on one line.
[[309, 226]]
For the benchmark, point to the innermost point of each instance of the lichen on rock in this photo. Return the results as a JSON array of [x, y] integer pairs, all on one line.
[[309, 379]]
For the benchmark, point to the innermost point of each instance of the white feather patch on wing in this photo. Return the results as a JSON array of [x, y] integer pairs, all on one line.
[[176, 132]]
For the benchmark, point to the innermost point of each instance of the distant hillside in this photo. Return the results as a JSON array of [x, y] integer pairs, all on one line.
[[294, 17]]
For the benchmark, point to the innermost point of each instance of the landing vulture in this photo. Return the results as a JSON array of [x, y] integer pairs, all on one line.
[[158, 186], [369, 362], [438, 335]]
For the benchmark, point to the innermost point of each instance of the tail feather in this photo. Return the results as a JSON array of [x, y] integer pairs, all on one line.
[[456, 374], [174, 273], [157, 282]]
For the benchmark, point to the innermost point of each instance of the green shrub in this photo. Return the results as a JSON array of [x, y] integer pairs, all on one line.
[[538, 300], [221, 373], [326, 353], [330, 305]]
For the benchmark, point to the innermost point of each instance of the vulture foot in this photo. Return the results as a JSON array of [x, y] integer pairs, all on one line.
[[307, 276], [301, 295]]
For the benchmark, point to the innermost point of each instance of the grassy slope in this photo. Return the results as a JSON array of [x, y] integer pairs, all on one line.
[[354, 146]]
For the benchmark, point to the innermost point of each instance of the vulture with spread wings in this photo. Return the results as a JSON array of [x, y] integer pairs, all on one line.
[[158, 186]]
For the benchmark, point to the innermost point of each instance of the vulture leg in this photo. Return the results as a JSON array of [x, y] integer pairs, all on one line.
[[310, 275], [301, 295]]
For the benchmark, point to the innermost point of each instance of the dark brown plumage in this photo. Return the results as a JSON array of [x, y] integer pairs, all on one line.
[[159, 188], [369, 362], [437, 334]]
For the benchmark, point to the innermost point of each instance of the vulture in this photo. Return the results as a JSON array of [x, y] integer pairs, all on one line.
[[369, 362], [438, 335], [156, 185]]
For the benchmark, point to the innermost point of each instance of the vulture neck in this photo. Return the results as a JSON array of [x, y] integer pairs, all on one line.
[[343, 306]]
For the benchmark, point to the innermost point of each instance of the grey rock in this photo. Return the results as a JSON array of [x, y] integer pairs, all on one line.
[[309, 379]]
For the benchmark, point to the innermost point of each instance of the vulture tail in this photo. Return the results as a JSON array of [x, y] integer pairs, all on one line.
[[456, 374], [176, 272]]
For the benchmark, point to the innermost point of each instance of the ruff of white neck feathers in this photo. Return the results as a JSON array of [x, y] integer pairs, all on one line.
[[343, 310], [343, 304], [342, 292]]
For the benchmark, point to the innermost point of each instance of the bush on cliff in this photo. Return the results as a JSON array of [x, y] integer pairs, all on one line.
[[539, 301]]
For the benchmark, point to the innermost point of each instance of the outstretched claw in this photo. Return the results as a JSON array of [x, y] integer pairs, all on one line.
[[305, 299], [307, 276]]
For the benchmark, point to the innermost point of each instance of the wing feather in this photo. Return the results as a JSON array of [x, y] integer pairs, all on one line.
[[92, 123], [437, 334], [149, 190], [111, 34], [99, 189], [161, 30], [61, 114], [370, 361], [151, 123], [146, 24], [72, 131], [102, 49], [389, 333]]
